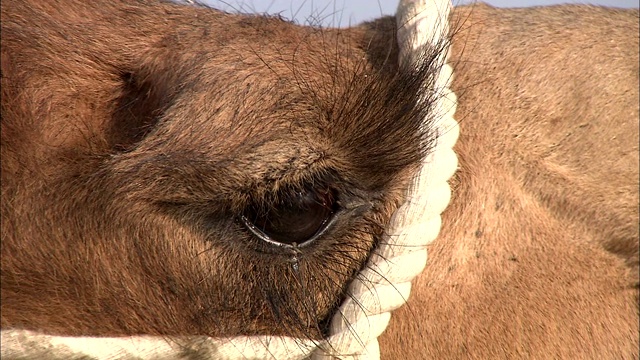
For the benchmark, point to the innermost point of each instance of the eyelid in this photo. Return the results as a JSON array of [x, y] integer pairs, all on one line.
[[326, 226], [294, 219]]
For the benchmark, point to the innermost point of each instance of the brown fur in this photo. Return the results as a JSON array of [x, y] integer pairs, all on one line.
[[134, 134], [538, 253]]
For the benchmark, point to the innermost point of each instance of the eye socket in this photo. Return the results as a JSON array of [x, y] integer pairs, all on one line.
[[301, 218]]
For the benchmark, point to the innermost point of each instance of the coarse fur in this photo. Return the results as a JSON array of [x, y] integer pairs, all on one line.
[[134, 135]]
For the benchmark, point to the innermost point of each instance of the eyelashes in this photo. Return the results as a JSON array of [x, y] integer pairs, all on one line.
[[296, 219]]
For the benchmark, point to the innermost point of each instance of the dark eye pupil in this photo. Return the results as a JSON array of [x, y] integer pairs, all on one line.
[[298, 219]]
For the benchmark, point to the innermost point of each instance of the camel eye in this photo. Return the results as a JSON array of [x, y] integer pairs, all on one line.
[[296, 220]]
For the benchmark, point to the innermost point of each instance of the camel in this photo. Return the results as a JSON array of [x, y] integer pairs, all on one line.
[[177, 172]]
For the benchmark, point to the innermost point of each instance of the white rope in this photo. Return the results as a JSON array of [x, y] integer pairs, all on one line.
[[382, 287], [386, 283]]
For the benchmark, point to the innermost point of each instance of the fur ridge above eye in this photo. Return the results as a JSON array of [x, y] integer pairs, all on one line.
[[297, 220]]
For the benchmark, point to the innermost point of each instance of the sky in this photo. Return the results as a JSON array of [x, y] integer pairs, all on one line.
[[345, 12]]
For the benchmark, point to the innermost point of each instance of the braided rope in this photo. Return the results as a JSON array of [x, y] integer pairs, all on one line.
[[382, 287], [385, 284]]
